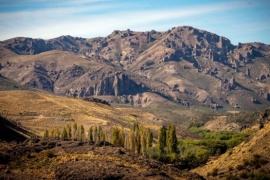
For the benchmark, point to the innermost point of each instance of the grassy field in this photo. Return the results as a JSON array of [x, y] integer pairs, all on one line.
[[38, 111]]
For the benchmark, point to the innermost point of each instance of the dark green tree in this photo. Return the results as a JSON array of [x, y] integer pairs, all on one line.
[[81, 133], [149, 138], [90, 134], [162, 139], [95, 135], [171, 141], [64, 134]]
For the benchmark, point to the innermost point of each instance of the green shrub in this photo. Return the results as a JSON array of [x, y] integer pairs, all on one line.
[[153, 153], [232, 177], [172, 158], [261, 176]]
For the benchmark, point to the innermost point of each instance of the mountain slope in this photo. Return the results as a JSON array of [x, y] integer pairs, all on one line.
[[185, 66]]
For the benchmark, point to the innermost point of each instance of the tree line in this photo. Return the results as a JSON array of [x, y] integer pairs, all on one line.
[[166, 148], [138, 139]]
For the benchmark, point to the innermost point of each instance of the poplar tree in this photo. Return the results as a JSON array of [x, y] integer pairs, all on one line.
[[116, 136], [162, 139], [75, 128], [149, 138], [103, 137], [69, 131], [136, 138], [52, 134], [81, 133], [99, 133], [142, 142], [95, 135], [46, 134], [171, 139], [122, 137], [64, 134], [90, 134]]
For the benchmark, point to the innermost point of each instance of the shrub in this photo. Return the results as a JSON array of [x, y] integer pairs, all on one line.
[[263, 161], [29, 155], [261, 176], [256, 156], [257, 166], [243, 175], [232, 177], [214, 172], [172, 158], [230, 168], [50, 154], [246, 162], [153, 153], [239, 167]]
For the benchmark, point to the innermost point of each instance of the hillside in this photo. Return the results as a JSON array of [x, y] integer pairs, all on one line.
[[185, 68], [251, 159], [55, 159], [10, 131], [38, 111]]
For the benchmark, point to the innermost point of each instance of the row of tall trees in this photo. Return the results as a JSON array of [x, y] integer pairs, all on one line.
[[76, 132], [138, 139]]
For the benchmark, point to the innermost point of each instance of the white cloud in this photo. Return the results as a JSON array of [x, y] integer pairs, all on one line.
[[95, 20]]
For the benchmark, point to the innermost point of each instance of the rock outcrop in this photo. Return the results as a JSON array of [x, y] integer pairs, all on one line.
[[117, 85]]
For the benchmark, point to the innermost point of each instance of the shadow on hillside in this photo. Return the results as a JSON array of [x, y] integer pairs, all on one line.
[[10, 131]]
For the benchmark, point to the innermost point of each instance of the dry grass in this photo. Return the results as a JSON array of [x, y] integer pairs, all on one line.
[[38, 111]]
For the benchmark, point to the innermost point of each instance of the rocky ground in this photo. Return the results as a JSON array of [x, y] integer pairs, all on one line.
[[55, 159]]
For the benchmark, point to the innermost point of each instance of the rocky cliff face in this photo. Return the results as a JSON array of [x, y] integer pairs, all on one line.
[[184, 65], [116, 85]]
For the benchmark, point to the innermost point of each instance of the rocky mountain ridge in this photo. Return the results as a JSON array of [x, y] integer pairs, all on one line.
[[185, 66]]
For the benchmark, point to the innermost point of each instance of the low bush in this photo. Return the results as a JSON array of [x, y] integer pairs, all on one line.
[[49, 153]]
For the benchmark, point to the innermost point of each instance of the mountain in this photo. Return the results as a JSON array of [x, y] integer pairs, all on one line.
[[181, 69]]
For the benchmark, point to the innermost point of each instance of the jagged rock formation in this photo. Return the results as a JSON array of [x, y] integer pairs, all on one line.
[[116, 85], [184, 65]]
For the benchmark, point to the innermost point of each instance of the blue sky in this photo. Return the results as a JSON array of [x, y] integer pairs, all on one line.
[[238, 20]]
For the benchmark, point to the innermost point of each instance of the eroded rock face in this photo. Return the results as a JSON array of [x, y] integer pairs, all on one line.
[[117, 85]]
